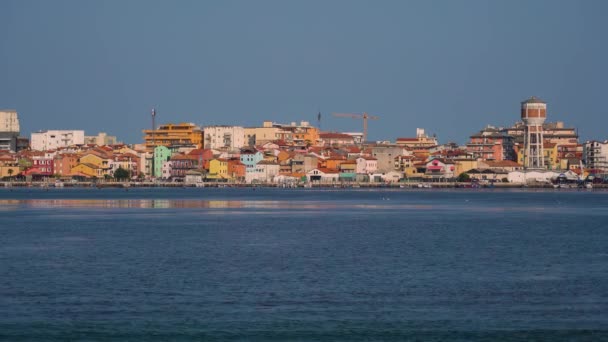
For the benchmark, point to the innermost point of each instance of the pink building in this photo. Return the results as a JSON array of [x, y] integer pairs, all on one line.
[[439, 168], [41, 166]]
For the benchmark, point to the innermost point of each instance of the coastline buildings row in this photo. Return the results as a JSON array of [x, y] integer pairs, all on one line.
[[275, 152]]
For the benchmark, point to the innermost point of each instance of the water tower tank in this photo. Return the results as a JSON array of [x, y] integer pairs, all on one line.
[[533, 111]]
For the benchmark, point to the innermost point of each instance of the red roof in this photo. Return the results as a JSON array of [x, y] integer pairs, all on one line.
[[326, 170], [335, 136]]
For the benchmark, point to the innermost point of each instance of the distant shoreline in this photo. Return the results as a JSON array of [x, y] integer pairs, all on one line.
[[416, 185]]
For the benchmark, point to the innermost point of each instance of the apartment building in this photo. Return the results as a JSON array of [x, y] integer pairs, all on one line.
[[54, 139]]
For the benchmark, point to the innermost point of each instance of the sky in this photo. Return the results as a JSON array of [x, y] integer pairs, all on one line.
[[451, 67]]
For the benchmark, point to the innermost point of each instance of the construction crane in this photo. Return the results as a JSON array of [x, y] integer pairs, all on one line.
[[363, 116]]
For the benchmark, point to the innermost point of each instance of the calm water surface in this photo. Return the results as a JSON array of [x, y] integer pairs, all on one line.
[[309, 265]]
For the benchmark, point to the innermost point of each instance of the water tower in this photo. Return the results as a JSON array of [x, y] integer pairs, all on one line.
[[533, 114]]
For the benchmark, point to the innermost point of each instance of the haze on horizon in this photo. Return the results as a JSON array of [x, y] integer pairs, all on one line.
[[451, 67]]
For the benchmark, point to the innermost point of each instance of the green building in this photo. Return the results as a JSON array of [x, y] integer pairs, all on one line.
[[161, 155]]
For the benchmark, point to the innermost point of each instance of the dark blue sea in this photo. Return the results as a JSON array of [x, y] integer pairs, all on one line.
[[203, 264]]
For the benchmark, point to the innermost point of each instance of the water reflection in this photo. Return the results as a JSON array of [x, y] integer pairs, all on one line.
[[9, 205]]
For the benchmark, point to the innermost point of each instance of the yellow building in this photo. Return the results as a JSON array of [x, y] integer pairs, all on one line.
[[550, 155], [9, 167], [462, 166], [306, 135], [348, 166], [96, 160], [9, 171], [411, 172], [87, 169], [173, 134], [218, 169], [261, 135]]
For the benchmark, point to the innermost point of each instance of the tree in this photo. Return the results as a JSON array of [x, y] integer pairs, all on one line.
[[121, 174], [10, 173], [24, 164], [464, 177]]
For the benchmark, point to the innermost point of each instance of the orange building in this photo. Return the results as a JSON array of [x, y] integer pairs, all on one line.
[[236, 169], [64, 163], [333, 163], [173, 134]]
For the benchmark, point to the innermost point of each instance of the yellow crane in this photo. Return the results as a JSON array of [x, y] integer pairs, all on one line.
[[363, 116]]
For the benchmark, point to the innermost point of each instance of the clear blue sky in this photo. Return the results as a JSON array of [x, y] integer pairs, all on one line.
[[451, 67]]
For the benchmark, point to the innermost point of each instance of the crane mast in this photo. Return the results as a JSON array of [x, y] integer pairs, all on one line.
[[363, 116]]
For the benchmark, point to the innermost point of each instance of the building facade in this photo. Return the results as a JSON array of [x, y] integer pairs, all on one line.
[[101, 139], [227, 138], [182, 134], [595, 155], [9, 130], [422, 140], [491, 144], [53, 139], [162, 154]]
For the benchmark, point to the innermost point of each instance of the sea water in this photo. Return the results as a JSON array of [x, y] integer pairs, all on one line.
[[303, 264]]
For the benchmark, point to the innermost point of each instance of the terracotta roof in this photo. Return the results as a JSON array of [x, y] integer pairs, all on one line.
[[196, 151], [326, 170], [267, 162], [92, 166], [293, 174], [335, 136], [183, 157]]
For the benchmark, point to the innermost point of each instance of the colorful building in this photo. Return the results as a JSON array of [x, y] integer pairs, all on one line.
[[491, 144], [218, 169], [161, 155], [182, 134]]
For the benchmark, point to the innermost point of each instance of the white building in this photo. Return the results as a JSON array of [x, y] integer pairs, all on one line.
[[224, 137], [366, 165], [9, 121], [100, 139], [51, 140], [264, 171], [9, 129], [532, 176], [357, 137], [166, 169], [595, 154], [323, 175]]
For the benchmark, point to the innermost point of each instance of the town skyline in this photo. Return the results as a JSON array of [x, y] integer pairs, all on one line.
[[315, 123], [451, 68]]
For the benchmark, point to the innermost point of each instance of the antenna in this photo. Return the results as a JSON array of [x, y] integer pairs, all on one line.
[[319, 119]]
